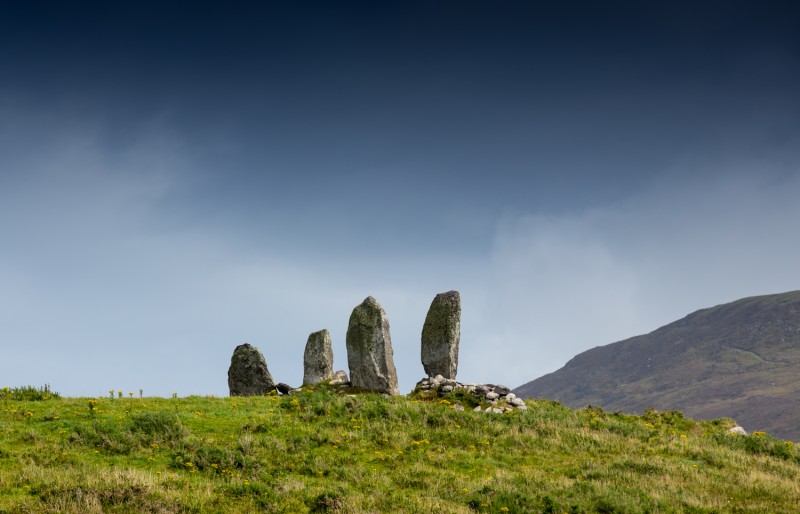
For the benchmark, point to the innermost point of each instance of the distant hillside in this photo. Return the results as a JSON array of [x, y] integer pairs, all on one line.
[[738, 360]]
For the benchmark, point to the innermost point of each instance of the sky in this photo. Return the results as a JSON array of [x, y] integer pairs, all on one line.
[[179, 178]]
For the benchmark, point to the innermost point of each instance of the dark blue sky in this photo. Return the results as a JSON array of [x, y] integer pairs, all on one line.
[[544, 159]]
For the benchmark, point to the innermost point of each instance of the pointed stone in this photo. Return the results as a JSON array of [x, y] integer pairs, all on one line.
[[318, 358], [369, 349], [248, 374], [441, 335]]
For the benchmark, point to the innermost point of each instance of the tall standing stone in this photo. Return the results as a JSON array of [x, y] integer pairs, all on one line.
[[441, 334], [318, 358], [369, 349], [248, 374]]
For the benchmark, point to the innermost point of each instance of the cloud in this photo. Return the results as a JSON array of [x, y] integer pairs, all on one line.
[[109, 282], [117, 271], [564, 284]]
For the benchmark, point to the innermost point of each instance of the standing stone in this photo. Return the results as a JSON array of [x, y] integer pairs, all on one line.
[[248, 374], [441, 334], [369, 349], [318, 358]]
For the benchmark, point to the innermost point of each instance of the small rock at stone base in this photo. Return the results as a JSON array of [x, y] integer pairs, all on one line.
[[339, 377], [501, 390], [737, 430]]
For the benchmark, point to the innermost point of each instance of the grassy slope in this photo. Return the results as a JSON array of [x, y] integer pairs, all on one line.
[[322, 451]]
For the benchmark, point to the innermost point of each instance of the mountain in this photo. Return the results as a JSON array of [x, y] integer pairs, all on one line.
[[739, 360]]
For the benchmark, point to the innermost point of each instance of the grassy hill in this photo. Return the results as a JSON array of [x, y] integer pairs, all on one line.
[[323, 451], [740, 360]]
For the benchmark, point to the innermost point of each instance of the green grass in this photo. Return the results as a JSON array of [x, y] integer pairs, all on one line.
[[321, 451]]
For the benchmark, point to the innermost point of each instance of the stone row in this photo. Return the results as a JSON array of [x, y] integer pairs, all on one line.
[[370, 356], [499, 398]]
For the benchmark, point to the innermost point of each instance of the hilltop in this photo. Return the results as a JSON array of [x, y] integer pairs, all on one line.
[[322, 451], [738, 360]]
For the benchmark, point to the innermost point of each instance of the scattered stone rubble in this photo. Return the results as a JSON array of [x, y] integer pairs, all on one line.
[[339, 381], [500, 398]]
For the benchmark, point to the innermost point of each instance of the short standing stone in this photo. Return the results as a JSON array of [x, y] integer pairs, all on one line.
[[318, 358], [248, 374], [441, 334], [369, 349]]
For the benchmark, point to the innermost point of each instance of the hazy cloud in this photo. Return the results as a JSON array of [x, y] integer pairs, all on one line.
[[563, 284]]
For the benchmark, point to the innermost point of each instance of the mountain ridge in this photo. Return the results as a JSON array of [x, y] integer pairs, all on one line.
[[740, 360]]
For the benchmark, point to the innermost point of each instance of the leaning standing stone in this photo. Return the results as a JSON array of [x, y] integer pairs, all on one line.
[[248, 374], [318, 358], [369, 349], [441, 334]]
